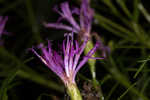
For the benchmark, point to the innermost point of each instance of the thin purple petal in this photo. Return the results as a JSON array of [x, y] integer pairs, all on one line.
[[85, 59], [67, 14], [59, 26], [86, 16], [77, 56], [3, 21]]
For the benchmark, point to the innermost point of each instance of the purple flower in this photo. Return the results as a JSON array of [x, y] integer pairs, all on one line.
[[3, 21], [85, 18], [67, 64], [83, 28]]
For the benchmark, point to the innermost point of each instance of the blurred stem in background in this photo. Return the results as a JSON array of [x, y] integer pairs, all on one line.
[[33, 22], [144, 11], [121, 78], [134, 32]]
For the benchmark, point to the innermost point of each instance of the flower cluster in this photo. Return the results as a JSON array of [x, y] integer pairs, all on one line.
[[68, 64], [85, 18], [83, 29]]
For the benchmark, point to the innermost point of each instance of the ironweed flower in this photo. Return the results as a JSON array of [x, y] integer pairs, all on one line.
[[83, 28], [85, 18], [67, 64], [3, 21]]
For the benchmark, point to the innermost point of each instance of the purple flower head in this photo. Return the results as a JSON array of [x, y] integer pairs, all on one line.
[[3, 21], [85, 17], [67, 64]]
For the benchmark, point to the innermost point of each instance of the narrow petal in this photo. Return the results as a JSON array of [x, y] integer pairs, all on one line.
[[85, 59], [77, 46], [41, 58], [59, 26], [86, 16], [80, 51], [83, 45], [50, 62], [66, 56], [58, 58], [68, 15], [2, 24], [76, 11], [71, 57]]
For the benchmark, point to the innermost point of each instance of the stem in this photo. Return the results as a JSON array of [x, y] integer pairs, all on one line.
[[92, 63], [98, 89], [73, 91], [32, 21]]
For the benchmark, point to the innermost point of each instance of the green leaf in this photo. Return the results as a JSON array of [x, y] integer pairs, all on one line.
[[126, 91], [111, 26], [6, 82], [144, 11], [141, 67]]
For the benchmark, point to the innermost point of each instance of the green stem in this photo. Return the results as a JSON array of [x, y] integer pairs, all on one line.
[[98, 88], [73, 91], [144, 11], [92, 63], [32, 21]]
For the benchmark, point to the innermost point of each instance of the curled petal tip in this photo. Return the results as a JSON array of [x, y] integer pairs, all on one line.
[[41, 45]]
